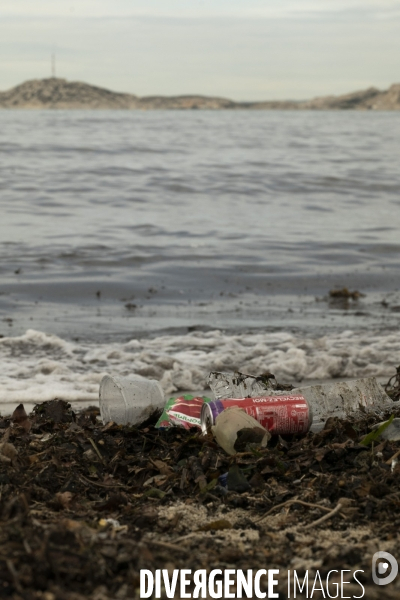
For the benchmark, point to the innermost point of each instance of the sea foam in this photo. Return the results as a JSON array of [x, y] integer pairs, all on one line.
[[37, 366]]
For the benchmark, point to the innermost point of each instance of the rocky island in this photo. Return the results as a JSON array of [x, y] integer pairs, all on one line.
[[56, 93]]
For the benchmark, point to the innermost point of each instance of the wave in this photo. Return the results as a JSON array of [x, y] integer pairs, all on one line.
[[37, 366]]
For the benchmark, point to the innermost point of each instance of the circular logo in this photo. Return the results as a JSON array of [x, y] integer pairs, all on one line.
[[381, 561]]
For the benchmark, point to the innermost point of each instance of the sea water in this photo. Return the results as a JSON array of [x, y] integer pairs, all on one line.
[[173, 243]]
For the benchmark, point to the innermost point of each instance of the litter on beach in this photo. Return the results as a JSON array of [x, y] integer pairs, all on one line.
[[138, 495]]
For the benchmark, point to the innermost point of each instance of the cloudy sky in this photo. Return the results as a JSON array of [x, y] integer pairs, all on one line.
[[242, 49]]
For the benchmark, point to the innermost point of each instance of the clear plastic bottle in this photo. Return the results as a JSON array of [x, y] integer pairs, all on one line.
[[343, 399], [129, 400]]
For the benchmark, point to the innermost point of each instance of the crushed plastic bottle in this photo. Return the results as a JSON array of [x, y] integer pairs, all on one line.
[[129, 400], [339, 399], [240, 385]]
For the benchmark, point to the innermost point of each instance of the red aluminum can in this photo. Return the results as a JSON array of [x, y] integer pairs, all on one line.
[[278, 414]]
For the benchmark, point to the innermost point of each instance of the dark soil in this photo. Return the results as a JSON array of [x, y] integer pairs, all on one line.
[[85, 506]]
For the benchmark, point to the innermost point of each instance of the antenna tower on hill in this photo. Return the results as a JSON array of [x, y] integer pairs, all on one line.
[[53, 64]]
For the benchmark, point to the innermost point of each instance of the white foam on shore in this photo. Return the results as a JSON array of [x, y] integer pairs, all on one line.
[[35, 366]]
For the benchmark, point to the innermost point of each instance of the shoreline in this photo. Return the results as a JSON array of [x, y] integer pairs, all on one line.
[[37, 366]]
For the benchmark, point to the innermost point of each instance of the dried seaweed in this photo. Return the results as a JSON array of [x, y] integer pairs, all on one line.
[[84, 506]]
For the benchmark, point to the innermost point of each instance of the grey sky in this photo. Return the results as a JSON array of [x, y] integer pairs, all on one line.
[[242, 49]]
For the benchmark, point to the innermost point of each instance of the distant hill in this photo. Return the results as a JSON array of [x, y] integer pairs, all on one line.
[[58, 93], [370, 99]]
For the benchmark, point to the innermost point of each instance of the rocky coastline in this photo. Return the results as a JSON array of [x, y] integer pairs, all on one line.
[[56, 93]]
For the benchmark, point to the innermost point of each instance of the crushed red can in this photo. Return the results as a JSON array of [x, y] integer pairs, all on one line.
[[182, 412], [278, 414]]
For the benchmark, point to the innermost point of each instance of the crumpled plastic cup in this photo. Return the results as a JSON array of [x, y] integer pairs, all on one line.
[[129, 399]]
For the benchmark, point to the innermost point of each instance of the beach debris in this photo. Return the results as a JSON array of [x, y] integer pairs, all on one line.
[[20, 419], [8, 452], [392, 388], [336, 399], [183, 411], [117, 506], [287, 414], [130, 306], [57, 410], [344, 399], [279, 409], [240, 385], [229, 422], [377, 432], [131, 400], [388, 430], [341, 298], [297, 410], [345, 294]]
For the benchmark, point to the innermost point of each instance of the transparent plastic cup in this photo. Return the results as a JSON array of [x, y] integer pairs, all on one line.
[[129, 400]]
